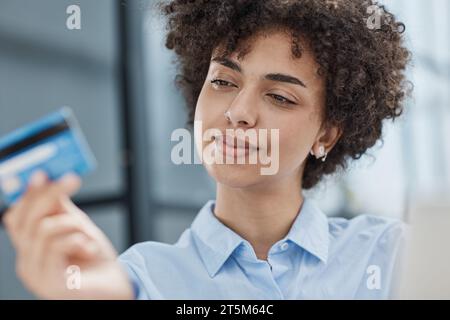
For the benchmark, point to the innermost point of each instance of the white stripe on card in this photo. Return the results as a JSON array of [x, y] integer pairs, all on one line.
[[28, 159]]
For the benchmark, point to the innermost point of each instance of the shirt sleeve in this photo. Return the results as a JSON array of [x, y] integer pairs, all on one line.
[[135, 266], [138, 290], [379, 280]]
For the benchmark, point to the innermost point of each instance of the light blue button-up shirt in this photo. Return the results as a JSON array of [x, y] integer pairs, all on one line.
[[319, 258]]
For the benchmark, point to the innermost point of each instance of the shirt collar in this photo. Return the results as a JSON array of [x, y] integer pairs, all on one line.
[[310, 230], [216, 242]]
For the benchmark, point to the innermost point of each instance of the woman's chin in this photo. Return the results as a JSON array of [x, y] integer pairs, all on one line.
[[235, 175]]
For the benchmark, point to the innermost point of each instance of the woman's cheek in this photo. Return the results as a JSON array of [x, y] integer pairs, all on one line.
[[291, 148]]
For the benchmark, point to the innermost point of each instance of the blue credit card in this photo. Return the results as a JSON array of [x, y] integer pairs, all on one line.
[[54, 144]]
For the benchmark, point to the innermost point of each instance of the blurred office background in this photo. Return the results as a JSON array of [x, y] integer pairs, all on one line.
[[118, 78]]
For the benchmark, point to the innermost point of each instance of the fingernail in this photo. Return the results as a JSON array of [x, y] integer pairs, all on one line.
[[38, 178], [69, 178]]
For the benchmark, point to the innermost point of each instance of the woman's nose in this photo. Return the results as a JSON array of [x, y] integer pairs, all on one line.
[[243, 112]]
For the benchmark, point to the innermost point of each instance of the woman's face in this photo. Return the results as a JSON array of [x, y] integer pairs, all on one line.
[[267, 89]]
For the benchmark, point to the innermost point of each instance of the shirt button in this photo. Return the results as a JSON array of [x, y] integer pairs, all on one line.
[[284, 246]]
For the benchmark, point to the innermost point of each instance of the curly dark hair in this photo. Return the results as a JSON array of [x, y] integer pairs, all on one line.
[[364, 67]]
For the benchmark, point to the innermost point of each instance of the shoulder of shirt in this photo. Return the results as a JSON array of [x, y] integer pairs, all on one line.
[[367, 228], [159, 250]]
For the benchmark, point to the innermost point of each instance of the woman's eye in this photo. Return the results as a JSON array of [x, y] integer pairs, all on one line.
[[281, 100], [222, 83]]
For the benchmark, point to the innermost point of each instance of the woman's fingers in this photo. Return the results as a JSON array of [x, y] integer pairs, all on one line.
[[44, 200], [40, 200], [58, 240], [48, 231], [74, 246], [65, 250], [90, 229], [12, 218]]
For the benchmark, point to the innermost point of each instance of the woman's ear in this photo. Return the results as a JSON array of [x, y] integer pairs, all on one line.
[[326, 140]]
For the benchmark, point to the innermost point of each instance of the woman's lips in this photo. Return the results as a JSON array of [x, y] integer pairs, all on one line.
[[234, 147]]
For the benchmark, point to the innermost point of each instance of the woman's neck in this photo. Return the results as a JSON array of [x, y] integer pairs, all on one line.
[[261, 215]]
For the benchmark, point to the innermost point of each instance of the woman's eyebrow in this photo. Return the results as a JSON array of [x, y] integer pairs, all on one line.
[[284, 78], [279, 77], [227, 63]]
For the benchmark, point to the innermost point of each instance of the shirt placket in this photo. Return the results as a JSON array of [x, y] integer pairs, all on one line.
[[260, 273]]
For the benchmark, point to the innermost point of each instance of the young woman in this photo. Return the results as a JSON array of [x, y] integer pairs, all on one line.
[[325, 75]]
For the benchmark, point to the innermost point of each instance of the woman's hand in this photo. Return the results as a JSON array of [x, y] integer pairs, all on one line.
[[61, 254]]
